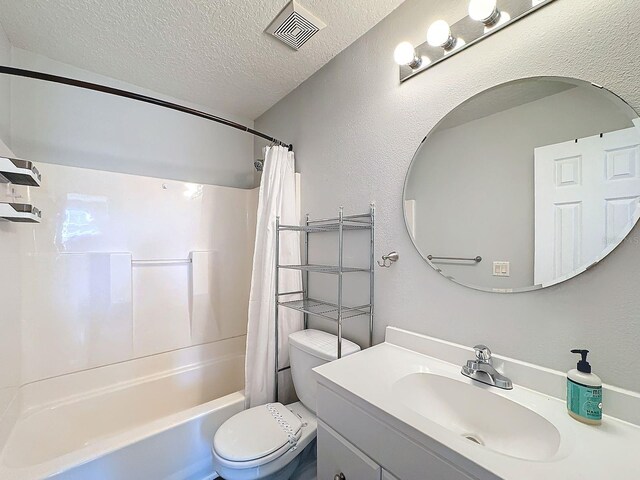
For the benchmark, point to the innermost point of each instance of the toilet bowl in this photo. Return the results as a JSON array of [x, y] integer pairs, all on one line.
[[266, 442]]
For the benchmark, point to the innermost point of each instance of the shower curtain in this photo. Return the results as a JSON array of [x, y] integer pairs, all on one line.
[[277, 198]]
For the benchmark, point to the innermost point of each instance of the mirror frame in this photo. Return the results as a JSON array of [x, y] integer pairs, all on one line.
[[576, 272]]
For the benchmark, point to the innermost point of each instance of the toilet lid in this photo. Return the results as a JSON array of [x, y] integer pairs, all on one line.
[[257, 432]]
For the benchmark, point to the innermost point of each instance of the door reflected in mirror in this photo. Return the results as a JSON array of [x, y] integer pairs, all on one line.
[[525, 185]]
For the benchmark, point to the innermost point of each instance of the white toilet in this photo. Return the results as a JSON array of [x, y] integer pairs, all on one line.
[[267, 442]]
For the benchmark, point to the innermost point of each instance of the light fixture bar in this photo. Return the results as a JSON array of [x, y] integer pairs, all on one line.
[[468, 32]]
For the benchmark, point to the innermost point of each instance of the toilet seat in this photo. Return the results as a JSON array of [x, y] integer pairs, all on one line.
[[257, 436]]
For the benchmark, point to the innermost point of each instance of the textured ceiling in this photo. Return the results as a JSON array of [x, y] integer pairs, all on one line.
[[211, 52]]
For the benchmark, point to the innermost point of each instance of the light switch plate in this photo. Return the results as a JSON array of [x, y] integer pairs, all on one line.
[[501, 269]]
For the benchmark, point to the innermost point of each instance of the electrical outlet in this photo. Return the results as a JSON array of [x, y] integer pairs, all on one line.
[[501, 269]]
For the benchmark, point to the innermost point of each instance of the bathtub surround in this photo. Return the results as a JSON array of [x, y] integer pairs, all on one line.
[[137, 307], [97, 266], [356, 129], [277, 198]]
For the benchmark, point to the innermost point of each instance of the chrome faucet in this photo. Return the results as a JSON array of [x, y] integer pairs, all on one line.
[[481, 369]]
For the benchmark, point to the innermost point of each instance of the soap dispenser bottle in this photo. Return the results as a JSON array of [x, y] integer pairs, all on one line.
[[584, 392]]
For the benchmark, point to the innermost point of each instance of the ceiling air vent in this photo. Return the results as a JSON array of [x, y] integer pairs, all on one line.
[[295, 25]]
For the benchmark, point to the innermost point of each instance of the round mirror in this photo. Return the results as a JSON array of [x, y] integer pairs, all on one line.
[[526, 184]]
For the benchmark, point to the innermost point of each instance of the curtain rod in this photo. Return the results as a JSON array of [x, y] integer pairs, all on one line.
[[136, 96]]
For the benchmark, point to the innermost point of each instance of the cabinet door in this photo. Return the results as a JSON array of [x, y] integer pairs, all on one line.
[[336, 457], [387, 476]]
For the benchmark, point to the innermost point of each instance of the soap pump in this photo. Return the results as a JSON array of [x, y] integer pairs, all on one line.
[[584, 392]]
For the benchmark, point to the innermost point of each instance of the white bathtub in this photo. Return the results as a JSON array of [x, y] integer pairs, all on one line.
[[152, 418]]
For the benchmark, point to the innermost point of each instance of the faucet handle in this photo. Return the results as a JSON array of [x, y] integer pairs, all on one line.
[[483, 354]]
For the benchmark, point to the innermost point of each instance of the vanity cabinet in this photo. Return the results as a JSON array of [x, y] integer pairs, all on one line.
[[338, 457], [358, 444]]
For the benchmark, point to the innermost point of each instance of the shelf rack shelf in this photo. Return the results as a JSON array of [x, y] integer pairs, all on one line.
[[326, 310], [329, 269], [329, 227], [336, 312]]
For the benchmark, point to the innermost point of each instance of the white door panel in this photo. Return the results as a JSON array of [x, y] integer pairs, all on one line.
[[586, 201]]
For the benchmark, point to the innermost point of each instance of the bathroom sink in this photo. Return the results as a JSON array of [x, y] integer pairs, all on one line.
[[479, 415]]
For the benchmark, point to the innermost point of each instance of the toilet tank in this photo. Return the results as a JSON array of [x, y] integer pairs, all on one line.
[[309, 349]]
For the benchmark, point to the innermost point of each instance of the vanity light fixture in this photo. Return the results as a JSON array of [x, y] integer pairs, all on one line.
[[485, 18], [439, 35]]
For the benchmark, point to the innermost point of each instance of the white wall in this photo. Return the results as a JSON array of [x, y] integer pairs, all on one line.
[[71, 126], [490, 211], [355, 129]]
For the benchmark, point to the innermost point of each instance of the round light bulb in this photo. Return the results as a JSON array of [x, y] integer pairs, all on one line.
[[485, 11], [439, 35], [404, 53]]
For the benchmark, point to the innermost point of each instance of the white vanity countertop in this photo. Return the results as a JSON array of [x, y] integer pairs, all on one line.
[[609, 451]]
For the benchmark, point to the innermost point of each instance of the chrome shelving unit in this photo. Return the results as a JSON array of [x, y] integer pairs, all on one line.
[[336, 312]]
